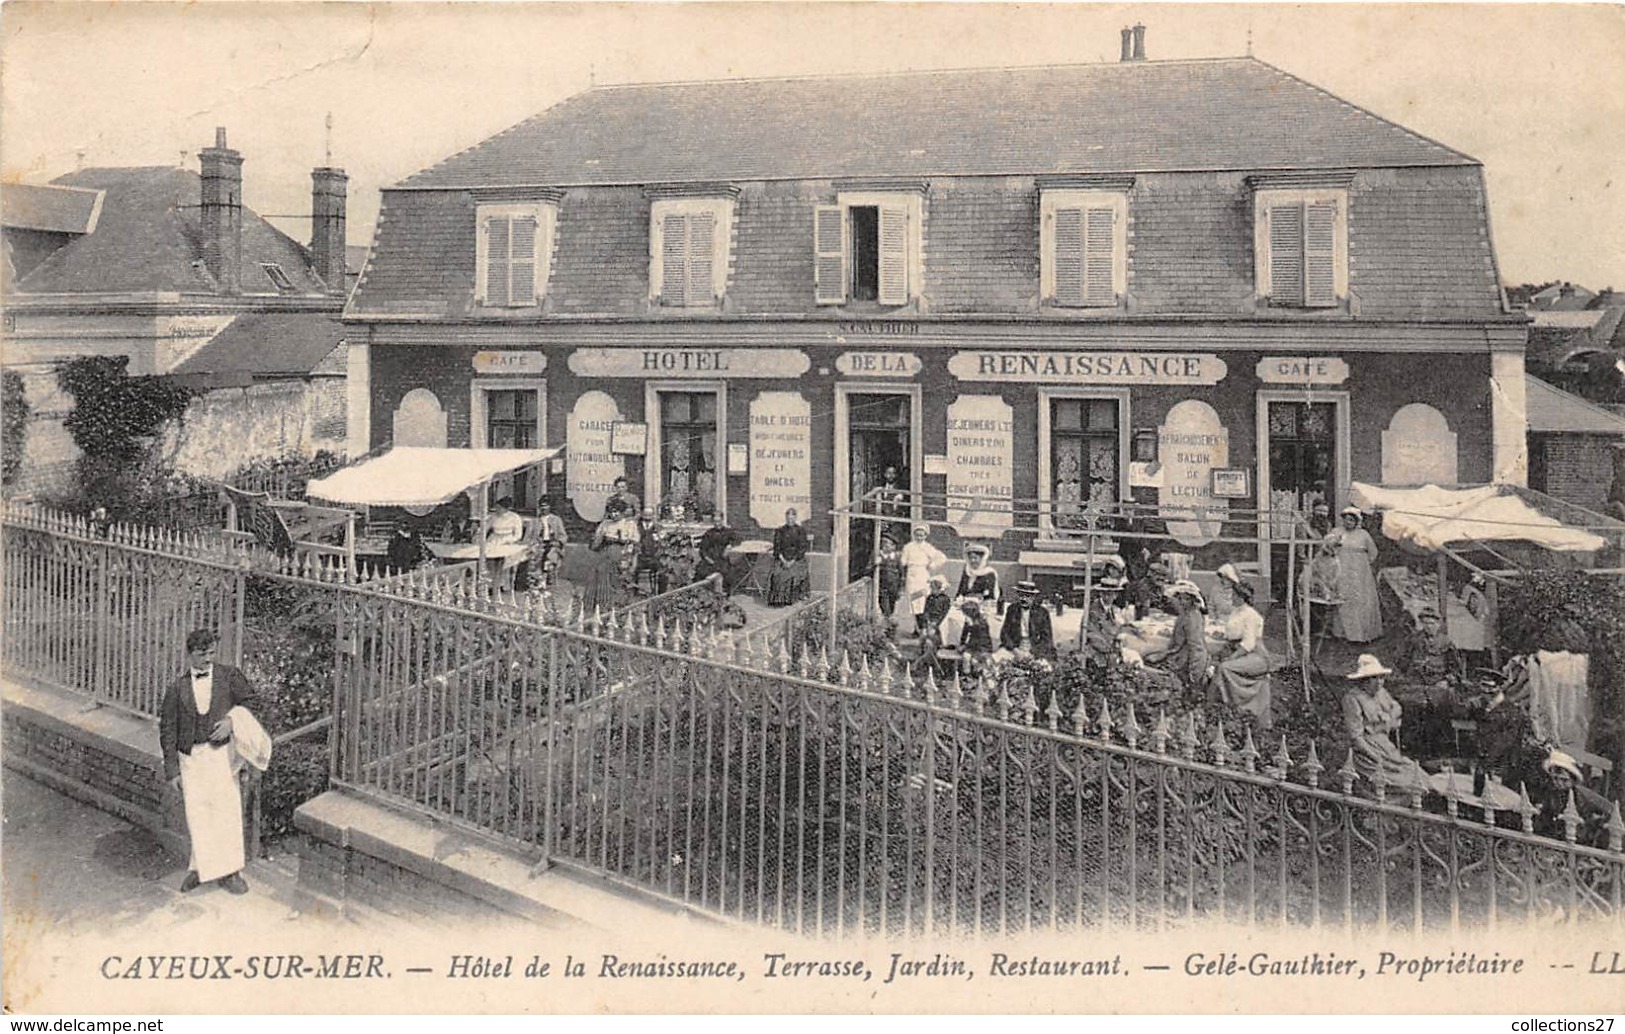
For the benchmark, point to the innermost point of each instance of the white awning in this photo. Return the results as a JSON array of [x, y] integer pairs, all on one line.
[[416, 476], [1434, 517]]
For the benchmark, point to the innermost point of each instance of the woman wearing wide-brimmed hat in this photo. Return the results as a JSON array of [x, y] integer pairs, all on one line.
[[1097, 633], [1563, 778], [1373, 718], [1357, 617], [1242, 679], [1186, 657]]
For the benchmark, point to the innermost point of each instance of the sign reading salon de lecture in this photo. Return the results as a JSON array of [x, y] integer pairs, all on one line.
[[780, 456], [981, 444], [787, 363], [1089, 367], [592, 467], [1190, 443]]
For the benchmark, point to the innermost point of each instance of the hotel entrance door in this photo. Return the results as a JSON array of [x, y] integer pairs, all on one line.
[[878, 454]]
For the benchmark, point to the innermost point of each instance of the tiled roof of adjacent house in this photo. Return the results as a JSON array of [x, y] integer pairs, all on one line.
[[1554, 411], [147, 239], [260, 345], [32, 206], [1233, 113]]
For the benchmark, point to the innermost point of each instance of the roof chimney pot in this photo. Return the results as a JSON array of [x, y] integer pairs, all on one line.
[[220, 217], [220, 137], [1139, 42], [328, 187], [1128, 45]]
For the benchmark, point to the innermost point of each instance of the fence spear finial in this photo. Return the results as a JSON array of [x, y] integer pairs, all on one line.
[[822, 670], [1080, 716], [1570, 818], [1248, 752], [1616, 830], [1104, 725], [845, 673], [1348, 773], [1526, 809], [1283, 761], [1131, 728]]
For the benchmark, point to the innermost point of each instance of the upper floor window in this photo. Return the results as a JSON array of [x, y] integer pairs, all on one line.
[[688, 251], [868, 248], [1301, 244], [1083, 241], [515, 244]]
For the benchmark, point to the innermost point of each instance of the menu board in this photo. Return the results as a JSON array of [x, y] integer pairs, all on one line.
[[1190, 443], [780, 456], [981, 445], [592, 467]]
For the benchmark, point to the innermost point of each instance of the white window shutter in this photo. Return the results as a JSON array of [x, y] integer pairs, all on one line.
[[674, 260], [829, 249], [893, 255], [702, 231], [523, 258], [1068, 244], [1098, 286], [1286, 254], [496, 260], [1319, 254]]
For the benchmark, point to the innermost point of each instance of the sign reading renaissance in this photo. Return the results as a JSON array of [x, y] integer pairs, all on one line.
[[1190, 443], [787, 363], [592, 466], [981, 445], [780, 456], [1089, 367]]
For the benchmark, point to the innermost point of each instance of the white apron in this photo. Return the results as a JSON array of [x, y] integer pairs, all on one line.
[[214, 812]]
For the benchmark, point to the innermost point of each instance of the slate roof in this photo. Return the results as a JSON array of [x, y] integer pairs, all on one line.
[[264, 345], [32, 206], [1554, 411], [1148, 116], [147, 239]]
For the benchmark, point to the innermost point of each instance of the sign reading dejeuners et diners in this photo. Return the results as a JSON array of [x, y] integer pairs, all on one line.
[[981, 445], [780, 456], [589, 476], [1072, 366], [787, 363]]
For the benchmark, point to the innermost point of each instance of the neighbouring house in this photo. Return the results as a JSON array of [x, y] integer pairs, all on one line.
[[169, 268], [1076, 284], [1576, 447]]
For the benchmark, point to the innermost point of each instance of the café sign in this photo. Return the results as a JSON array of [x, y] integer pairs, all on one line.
[[510, 362], [1073, 366], [878, 364], [1302, 369], [786, 363]]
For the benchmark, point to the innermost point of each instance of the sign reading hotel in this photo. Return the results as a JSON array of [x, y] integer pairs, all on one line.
[[1190, 443], [785, 363], [878, 364], [981, 446], [780, 456], [1089, 367], [510, 362], [1302, 369], [592, 467]]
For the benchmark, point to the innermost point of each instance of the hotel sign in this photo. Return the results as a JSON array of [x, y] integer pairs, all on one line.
[[785, 363], [1071, 366], [1302, 369]]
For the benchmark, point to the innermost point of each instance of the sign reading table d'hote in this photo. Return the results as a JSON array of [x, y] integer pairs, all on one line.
[[878, 364], [1074, 366], [1302, 369], [780, 456], [981, 447], [510, 362], [775, 363]]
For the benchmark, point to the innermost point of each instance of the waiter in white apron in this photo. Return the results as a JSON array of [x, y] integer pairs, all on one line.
[[195, 732]]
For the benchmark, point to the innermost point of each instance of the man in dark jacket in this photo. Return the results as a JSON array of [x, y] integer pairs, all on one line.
[[1027, 625], [195, 731]]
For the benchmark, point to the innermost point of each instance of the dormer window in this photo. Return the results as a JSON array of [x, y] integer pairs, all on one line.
[[688, 251], [1083, 242], [515, 245], [278, 276], [1300, 242], [868, 247]]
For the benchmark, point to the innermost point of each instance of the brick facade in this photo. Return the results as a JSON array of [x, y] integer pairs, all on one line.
[[1578, 468]]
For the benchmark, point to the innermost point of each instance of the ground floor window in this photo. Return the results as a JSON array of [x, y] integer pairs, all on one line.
[[1085, 445], [509, 415], [688, 445]]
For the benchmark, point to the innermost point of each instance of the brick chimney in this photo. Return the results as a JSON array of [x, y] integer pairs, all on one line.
[[1139, 42], [1128, 45], [221, 215], [327, 198]]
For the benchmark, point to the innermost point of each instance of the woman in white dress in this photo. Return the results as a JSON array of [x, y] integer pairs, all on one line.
[[1357, 618], [920, 560]]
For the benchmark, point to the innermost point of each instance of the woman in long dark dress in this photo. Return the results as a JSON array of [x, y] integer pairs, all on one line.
[[612, 545], [789, 582], [1186, 657]]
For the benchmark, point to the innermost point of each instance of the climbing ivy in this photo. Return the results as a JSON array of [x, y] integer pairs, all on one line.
[[114, 421], [14, 411]]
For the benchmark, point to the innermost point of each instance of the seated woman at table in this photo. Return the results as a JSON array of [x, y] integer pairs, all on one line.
[[614, 554], [1373, 718], [1097, 634], [1428, 655], [978, 581], [789, 582], [714, 555], [407, 551], [1242, 678], [1186, 657]]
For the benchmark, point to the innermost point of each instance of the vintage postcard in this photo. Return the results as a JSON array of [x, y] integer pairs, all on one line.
[[813, 508]]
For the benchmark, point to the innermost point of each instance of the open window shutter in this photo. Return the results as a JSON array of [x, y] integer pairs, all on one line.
[[829, 247], [496, 260], [702, 232], [674, 260], [1319, 255], [1098, 288], [523, 252], [893, 255], [1286, 254], [1069, 256]]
